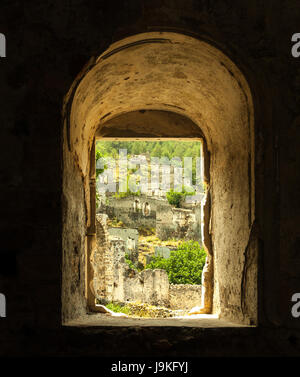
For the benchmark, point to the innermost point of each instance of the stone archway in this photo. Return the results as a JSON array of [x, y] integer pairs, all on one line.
[[169, 73]]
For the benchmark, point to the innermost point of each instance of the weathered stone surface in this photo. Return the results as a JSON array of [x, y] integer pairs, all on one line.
[[179, 223], [114, 280], [169, 222], [149, 286], [184, 296], [149, 311], [162, 251], [130, 210], [131, 239]]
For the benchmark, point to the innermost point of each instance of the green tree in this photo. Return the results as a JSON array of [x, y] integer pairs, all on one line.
[[176, 198], [156, 151], [184, 266]]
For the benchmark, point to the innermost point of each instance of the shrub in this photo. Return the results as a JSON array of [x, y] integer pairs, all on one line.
[[117, 308], [120, 195], [184, 266], [176, 198]]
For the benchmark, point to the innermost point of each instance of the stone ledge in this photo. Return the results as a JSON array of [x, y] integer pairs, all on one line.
[[197, 320]]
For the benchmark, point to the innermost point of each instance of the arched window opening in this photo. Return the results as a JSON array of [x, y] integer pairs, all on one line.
[[165, 85]]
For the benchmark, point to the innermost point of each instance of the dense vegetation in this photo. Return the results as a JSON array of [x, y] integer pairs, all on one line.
[[167, 148], [184, 266], [159, 149]]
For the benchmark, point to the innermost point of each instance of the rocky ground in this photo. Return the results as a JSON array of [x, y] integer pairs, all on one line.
[[141, 310], [148, 243], [150, 311]]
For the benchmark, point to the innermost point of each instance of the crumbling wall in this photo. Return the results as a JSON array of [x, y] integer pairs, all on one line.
[[179, 223], [131, 210], [131, 239], [170, 222], [184, 296], [102, 258], [125, 284], [150, 286], [114, 280]]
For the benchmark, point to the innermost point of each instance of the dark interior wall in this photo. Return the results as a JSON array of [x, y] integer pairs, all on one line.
[[73, 241], [47, 45]]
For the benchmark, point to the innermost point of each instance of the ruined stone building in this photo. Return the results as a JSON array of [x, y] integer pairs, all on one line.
[[114, 281], [168, 221], [218, 71]]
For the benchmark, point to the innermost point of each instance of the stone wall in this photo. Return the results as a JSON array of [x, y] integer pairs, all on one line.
[[170, 222], [114, 280], [152, 287], [131, 239], [179, 223], [133, 211], [149, 286], [116, 270], [184, 296], [121, 283], [102, 260]]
